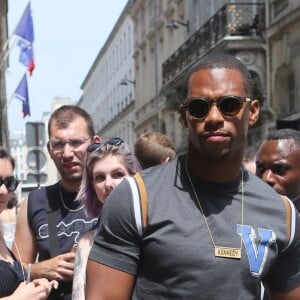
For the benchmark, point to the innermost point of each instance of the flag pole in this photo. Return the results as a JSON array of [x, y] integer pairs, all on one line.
[[6, 54], [6, 44], [10, 100]]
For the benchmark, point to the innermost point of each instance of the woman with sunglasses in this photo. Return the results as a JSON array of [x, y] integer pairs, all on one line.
[[8, 220], [105, 167], [14, 281]]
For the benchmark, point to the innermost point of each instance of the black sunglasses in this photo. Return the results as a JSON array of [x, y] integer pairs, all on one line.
[[113, 142], [11, 183], [229, 106]]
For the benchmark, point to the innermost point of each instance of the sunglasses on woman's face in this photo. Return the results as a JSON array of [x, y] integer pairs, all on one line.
[[229, 106], [11, 183], [113, 142]]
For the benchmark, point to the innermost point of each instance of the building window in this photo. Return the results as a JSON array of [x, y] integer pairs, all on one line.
[[125, 45], [159, 7], [143, 21], [129, 39], [278, 6]]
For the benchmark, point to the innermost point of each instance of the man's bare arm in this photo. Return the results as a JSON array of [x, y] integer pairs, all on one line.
[[24, 246], [59, 268], [291, 295], [105, 283]]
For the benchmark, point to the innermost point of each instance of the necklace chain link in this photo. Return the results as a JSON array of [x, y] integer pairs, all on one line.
[[64, 204], [206, 222]]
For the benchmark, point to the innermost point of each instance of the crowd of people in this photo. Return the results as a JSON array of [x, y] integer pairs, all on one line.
[[217, 222]]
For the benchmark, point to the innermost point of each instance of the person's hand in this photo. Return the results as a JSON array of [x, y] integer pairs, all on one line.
[[49, 285], [60, 268], [38, 289]]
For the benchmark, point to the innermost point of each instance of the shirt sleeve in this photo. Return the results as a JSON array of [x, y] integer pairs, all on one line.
[[117, 242], [284, 275]]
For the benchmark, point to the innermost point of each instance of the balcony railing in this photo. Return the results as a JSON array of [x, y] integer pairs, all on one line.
[[243, 19]]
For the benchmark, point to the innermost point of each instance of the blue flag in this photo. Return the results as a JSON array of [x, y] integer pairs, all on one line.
[[21, 93], [24, 31]]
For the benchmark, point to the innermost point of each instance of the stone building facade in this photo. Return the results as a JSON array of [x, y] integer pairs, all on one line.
[[263, 34], [283, 37], [109, 87], [155, 41], [169, 37], [202, 27]]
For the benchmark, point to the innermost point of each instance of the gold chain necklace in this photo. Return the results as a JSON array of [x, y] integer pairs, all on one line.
[[220, 251], [64, 204]]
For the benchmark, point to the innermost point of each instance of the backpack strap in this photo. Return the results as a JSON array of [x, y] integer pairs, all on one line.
[[51, 192], [143, 196], [140, 201], [290, 220]]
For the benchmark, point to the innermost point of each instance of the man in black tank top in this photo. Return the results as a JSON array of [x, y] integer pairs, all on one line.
[[51, 220]]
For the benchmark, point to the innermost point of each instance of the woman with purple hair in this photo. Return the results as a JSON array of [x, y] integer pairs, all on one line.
[[106, 165]]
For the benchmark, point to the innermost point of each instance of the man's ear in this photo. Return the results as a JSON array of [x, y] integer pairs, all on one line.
[[183, 114], [165, 160], [96, 139], [49, 150], [254, 112]]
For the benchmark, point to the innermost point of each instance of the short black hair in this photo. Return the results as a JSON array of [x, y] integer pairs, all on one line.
[[225, 61], [285, 134]]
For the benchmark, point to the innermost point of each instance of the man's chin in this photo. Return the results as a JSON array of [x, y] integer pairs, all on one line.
[[219, 156], [74, 178]]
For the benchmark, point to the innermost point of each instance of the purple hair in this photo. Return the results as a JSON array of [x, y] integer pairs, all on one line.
[[87, 194]]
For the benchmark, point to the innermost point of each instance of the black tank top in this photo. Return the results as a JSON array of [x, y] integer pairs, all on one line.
[[71, 223], [11, 275]]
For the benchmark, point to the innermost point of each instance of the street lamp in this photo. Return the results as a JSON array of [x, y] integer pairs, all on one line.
[[173, 24], [127, 81]]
